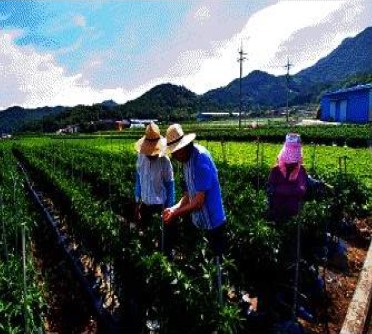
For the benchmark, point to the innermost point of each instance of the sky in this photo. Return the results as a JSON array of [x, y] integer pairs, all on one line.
[[85, 52]]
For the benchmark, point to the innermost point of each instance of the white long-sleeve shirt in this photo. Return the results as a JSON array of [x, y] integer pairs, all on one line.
[[152, 176]]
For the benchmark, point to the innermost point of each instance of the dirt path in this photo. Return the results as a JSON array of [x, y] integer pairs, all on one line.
[[341, 286]]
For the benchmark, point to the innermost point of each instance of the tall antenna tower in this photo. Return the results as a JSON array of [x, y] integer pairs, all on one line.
[[287, 77], [241, 60]]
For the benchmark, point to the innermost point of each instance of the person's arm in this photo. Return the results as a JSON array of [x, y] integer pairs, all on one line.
[[170, 191], [168, 213], [169, 183], [318, 186], [137, 196], [137, 188], [184, 206], [202, 182]]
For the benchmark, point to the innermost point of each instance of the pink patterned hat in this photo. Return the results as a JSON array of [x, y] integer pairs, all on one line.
[[292, 149]]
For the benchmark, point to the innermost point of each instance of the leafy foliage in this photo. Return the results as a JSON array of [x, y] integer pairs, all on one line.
[[21, 305]]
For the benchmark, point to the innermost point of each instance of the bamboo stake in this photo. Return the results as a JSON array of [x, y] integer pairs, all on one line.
[[24, 277], [297, 272]]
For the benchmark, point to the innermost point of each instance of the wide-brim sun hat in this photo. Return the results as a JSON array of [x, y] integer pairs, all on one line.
[[152, 143], [291, 151], [176, 139]]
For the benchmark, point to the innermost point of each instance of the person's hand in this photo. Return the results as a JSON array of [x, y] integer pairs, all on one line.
[[168, 215]]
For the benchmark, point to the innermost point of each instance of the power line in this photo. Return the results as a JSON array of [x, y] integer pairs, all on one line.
[[241, 59]]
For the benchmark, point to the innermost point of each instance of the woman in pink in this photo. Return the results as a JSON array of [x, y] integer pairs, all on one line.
[[287, 182]]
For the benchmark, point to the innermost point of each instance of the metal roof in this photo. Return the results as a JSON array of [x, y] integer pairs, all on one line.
[[351, 89]]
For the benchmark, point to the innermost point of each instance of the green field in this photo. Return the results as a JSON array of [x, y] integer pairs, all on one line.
[[318, 158], [92, 178]]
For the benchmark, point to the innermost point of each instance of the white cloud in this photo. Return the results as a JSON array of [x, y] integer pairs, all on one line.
[[202, 14], [298, 29], [274, 25], [80, 21], [32, 79], [267, 34]]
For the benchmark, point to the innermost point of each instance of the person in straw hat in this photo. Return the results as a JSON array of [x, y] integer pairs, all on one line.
[[202, 198], [154, 186]]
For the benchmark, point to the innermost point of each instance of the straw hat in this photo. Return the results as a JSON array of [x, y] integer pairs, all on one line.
[[292, 150], [176, 139], [152, 143]]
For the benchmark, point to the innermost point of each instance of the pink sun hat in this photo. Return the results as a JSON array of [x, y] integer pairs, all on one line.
[[291, 151]]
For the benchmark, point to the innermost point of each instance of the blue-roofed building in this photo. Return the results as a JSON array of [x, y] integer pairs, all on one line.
[[350, 105]]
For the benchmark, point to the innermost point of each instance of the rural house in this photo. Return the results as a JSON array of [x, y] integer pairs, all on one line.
[[350, 105]]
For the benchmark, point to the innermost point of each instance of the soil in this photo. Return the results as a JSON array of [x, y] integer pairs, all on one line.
[[340, 286], [67, 310]]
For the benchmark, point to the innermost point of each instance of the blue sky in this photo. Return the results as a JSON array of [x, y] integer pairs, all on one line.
[[71, 52]]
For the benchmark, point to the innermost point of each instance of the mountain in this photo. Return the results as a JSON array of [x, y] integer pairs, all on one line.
[[258, 88], [162, 102], [109, 104], [52, 118], [353, 57], [14, 118]]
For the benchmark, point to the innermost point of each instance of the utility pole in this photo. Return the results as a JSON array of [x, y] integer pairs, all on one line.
[[287, 77], [240, 60]]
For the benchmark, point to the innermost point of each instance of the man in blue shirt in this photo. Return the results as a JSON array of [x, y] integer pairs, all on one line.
[[202, 198]]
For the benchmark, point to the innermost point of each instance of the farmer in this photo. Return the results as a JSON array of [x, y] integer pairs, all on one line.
[[154, 186], [202, 196], [288, 187], [287, 183]]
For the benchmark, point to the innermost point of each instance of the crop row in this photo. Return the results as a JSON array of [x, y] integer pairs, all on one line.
[[353, 136], [21, 300], [317, 158], [350, 135]]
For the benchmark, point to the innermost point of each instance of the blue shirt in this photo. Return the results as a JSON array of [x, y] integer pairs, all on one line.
[[201, 175]]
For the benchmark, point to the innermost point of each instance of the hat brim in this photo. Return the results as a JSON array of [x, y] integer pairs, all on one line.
[[150, 148], [186, 139]]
